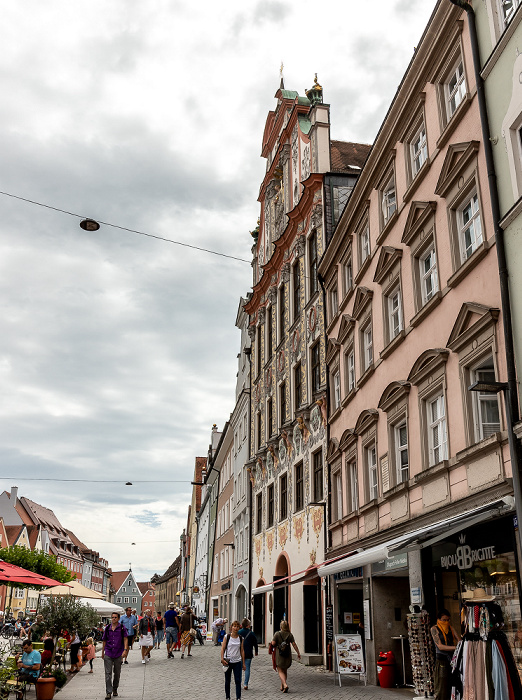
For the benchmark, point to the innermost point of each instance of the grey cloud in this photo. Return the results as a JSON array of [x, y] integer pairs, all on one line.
[[271, 11], [148, 518]]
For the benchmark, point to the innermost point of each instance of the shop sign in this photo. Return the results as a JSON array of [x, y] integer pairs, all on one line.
[[397, 561], [465, 557], [416, 595], [349, 573], [225, 586], [329, 623]]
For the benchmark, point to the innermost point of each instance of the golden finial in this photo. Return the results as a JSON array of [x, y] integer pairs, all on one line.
[[316, 84]]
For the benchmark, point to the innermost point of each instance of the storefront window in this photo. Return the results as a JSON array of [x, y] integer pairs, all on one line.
[[481, 561]]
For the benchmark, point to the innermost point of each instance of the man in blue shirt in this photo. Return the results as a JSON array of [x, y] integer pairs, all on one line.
[[130, 622], [29, 665], [171, 629]]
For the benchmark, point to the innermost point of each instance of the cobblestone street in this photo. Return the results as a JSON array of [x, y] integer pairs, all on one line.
[[201, 675]]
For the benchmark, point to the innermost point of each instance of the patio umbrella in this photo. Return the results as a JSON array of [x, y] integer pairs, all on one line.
[[74, 588], [9, 573]]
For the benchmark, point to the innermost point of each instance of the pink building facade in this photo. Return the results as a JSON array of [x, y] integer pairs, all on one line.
[[420, 505]]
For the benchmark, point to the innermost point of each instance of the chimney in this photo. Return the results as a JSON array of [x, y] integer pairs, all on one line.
[[14, 494]]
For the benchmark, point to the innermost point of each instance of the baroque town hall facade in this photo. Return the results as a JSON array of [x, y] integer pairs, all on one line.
[[307, 181]]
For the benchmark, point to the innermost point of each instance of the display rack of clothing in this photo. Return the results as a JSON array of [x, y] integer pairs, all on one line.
[[483, 664], [421, 650]]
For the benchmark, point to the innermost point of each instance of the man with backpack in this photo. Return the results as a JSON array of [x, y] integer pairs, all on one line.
[[249, 644], [115, 647]]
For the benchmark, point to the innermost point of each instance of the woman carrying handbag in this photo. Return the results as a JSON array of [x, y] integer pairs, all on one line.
[[233, 659]]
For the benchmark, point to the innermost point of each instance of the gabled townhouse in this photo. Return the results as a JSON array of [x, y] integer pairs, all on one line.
[[166, 586], [419, 464], [192, 527], [148, 599], [222, 567], [55, 539], [241, 504], [94, 567], [127, 591], [308, 179]]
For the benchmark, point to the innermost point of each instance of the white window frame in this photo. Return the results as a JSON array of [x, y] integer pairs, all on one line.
[[337, 389], [428, 277], [401, 472], [371, 470], [418, 149], [394, 305], [338, 486], [507, 16], [388, 199], [437, 429], [334, 303], [469, 225], [350, 369], [347, 276], [364, 244], [455, 95], [484, 372], [354, 486], [367, 336]]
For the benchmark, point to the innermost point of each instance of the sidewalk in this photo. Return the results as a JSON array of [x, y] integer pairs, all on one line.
[[202, 676]]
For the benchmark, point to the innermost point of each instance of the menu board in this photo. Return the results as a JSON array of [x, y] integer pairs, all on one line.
[[329, 623], [349, 653]]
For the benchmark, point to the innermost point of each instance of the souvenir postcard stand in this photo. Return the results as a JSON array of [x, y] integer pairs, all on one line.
[[349, 657], [421, 649]]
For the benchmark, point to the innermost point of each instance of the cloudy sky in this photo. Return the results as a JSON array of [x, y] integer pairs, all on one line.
[[118, 351]]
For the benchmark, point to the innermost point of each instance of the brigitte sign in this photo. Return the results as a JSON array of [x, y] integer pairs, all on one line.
[[465, 557]]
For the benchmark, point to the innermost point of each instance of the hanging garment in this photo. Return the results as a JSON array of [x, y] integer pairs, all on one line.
[[499, 673]]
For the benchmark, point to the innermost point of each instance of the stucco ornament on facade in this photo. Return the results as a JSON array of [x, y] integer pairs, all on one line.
[[303, 429], [298, 527], [298, 440], [257, 547], [270, 541], [317, 516], [282, 452], [283, 534], [315, 418]]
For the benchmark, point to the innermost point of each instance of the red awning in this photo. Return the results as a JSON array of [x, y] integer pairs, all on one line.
[[9, 573]]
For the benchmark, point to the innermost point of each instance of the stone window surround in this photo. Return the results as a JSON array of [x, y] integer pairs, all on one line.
[[395, 403], [410, 131], [474, 344], [442, 71], [429, 376], [348, 448], [387, 176]]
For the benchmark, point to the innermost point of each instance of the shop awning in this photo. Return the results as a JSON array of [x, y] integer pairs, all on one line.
[[423, 537], [299, 577]]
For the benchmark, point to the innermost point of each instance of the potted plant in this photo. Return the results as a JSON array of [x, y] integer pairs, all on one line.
[[50, 679]]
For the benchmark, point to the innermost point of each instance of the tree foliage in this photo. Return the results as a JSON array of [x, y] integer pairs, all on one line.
[[67, 612], [36, 561]]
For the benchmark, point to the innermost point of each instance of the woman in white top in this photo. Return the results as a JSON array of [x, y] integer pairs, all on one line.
[[233, 659]]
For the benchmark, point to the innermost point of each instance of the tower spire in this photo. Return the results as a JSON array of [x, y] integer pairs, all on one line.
[[282, 84]]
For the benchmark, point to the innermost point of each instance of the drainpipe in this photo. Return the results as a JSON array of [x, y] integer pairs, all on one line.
[[512, 410], [248, 353]]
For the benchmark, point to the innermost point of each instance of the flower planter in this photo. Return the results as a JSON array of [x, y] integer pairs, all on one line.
[[45, 688]]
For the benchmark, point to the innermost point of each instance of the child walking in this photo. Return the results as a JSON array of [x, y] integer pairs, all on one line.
[[91, 652]]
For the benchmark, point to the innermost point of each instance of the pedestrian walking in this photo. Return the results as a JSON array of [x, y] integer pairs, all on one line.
[[115, 647], [74, 647], [216, 628], [159, 630], [283, 653], [147, 630], [171, 629], [233, 658], [445, 639], [35, 632], [249, 644], [187, 628], [130, 622], [91, 652]]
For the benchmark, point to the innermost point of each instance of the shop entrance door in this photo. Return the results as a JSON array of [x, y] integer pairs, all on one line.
[[280, 605], [312, 619], [259, 617]]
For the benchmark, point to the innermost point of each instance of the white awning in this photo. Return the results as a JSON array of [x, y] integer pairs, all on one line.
[[102, 606], [418, 539]]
